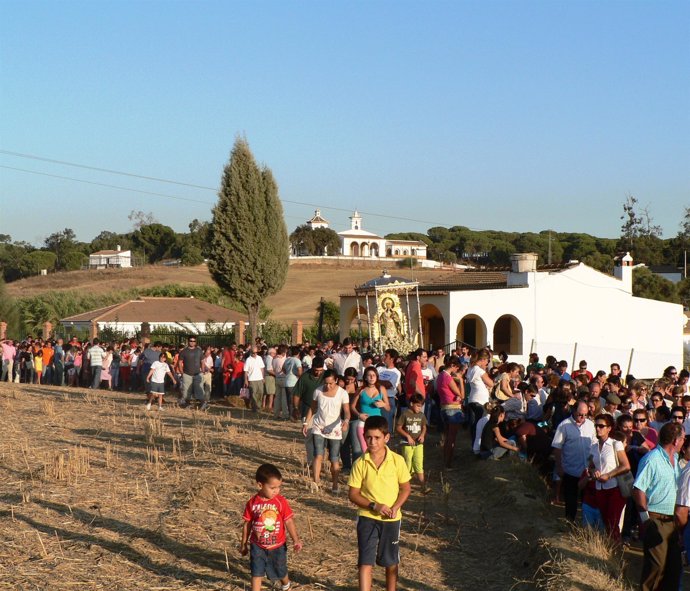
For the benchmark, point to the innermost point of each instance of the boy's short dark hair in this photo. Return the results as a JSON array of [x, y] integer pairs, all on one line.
[[416, 398], [376, 424], [267, 471]]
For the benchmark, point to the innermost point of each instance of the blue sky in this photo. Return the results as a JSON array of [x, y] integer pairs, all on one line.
[[518, 116]]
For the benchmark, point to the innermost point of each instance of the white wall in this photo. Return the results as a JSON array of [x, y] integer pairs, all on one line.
[[581, 305]]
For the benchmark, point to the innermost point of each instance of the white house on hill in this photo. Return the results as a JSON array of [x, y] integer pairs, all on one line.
[[570, 311], [104, 259]]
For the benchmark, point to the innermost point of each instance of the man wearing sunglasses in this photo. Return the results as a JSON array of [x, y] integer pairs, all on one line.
[[571, 446], [190, 366]]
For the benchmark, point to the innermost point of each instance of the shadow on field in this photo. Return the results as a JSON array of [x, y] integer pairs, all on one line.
[[194, 554]]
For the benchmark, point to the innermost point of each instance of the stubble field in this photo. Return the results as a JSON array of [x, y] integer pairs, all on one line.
[[96, 493]]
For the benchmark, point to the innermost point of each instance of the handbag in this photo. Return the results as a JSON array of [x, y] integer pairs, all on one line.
[[245, 394], [328, 429], [625, 481]]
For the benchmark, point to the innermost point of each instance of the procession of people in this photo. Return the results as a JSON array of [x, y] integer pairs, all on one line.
[[614, 447]]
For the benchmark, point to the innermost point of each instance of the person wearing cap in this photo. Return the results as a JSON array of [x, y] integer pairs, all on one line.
[[654, 492], [611, 406]]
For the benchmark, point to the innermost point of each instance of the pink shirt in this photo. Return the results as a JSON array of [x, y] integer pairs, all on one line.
[[8, 351], [445, 394]]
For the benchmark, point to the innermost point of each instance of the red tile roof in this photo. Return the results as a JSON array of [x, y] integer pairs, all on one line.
[[161, 310]]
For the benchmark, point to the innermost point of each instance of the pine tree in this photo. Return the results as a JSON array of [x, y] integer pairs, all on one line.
[[249, 243]]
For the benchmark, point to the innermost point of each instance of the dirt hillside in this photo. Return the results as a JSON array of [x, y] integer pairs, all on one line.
[[306, 283]]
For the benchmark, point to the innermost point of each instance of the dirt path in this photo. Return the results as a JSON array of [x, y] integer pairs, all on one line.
[[96, 495]]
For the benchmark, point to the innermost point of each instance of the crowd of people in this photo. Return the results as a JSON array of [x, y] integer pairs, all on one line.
[[613, 445]]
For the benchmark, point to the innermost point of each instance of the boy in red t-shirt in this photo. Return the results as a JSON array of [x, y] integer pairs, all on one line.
[[266, 517]]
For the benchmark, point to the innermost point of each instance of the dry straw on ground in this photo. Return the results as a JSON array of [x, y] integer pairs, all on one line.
[[97, 493]]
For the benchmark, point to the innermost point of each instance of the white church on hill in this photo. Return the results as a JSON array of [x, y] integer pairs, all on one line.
[[359, 243], [571, 311]]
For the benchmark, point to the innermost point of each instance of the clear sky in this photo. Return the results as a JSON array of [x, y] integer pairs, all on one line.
[[518, 115]]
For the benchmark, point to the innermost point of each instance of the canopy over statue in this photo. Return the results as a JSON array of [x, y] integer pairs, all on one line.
[[390, 303]]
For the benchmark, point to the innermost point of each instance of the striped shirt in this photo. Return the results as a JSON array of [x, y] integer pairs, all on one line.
[[96, 355]]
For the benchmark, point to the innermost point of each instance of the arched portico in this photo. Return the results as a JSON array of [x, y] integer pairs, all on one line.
[[364, 249], [354, 249], [433, 326], [507, 335], [374, 249], [350, 321], [472, 330]]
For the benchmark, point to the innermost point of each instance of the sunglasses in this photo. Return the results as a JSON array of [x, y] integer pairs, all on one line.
[[602, 426], [678, 418], [640, 420]]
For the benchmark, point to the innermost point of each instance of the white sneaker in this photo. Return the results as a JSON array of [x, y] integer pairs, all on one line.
[[148, 406], [160, 408]]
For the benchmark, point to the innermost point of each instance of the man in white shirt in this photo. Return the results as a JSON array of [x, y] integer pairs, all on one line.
[[389, 376], [571, 445], [254, 372], [96, 355], [347, 357]]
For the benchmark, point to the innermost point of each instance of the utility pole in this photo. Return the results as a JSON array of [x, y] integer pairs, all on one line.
[[322, 305], [549, 255]]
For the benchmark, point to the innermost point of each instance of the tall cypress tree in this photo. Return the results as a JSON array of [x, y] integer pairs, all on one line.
[[249, 243]]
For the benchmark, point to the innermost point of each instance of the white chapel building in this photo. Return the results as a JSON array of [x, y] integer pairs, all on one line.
[[357, 242], [571, 311]]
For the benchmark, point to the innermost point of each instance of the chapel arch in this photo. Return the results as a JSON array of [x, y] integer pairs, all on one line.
[[364, 249], [471, 330], [508, 335], [355, 315], [433, 326], [354, 249]]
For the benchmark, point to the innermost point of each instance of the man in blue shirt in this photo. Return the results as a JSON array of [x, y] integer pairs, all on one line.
[[654, 493], [58, 364]]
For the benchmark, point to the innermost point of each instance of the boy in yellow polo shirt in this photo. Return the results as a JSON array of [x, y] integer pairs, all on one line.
[[379, 485]]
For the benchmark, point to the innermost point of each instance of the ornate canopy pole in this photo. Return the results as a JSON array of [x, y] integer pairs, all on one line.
[[359, 319], [376, 292], [368, 316], [409, 326], [419, 317]]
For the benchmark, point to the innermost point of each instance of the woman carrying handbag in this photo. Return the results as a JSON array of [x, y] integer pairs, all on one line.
[[610, 463]]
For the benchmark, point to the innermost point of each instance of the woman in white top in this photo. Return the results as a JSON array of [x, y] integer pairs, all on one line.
[[207, 367], [480, 384], [610, 461], [330, 403]]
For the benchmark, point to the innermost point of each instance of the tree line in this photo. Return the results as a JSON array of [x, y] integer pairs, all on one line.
[[149, 241]]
